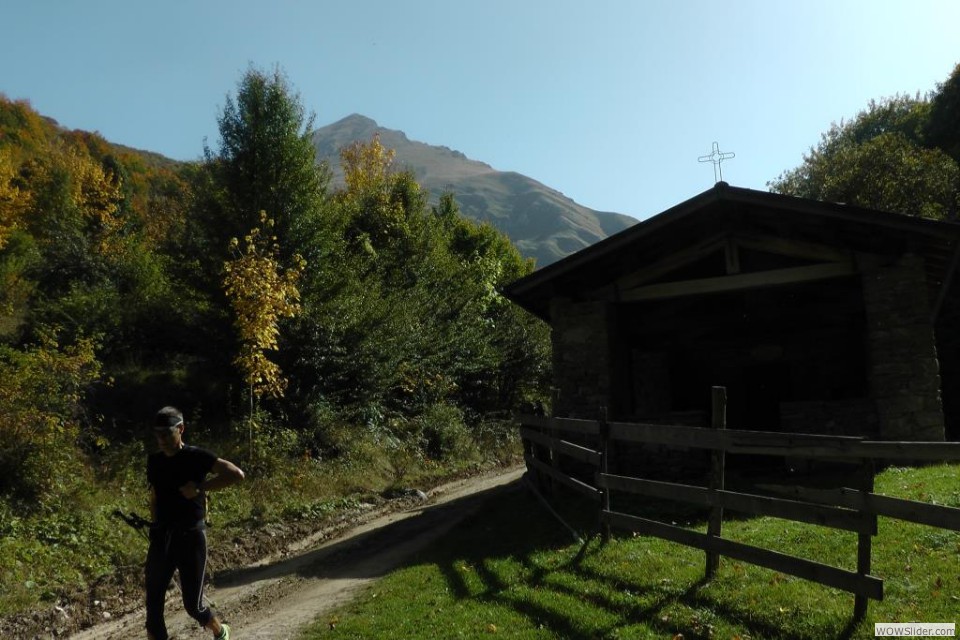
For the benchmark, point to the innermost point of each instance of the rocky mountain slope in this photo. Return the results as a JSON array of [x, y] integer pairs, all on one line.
[[542, 222]]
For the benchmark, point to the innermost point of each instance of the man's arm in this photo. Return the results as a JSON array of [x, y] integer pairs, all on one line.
[[225, 474]]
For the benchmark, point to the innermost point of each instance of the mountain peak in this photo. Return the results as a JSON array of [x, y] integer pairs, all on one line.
[[356, 126], [356, 120], [541, 221]]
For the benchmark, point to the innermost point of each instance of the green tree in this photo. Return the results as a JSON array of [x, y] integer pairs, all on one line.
[[411, 323], [266, 162], [879, 160], [943, 126], [42, 388]]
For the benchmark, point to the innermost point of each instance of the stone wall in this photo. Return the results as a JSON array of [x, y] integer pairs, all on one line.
[[581, 357], [901, 352], [852, 417]]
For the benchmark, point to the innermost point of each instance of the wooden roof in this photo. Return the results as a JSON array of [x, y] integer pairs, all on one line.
[[814, 240]]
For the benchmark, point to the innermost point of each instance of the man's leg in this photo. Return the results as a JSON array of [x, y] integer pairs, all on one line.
[[192, 563], [159, 571]]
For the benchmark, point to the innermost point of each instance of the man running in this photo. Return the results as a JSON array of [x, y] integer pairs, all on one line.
[[178, 541]]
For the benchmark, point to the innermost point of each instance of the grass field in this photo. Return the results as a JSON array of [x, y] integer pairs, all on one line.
[[513, 571]]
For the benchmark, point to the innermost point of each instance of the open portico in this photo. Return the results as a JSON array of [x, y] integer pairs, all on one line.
[[817, 317]]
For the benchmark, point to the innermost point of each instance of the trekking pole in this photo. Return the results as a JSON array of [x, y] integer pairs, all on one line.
[[135, 521]]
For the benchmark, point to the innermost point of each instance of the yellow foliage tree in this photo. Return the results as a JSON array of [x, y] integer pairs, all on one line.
[[366, 166], [261, 294], [13, 200], [97, 194], [376, 195]]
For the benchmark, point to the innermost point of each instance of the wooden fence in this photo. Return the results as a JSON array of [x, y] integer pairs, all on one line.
[[548, 440]]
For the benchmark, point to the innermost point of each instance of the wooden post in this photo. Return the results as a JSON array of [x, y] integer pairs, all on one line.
[[604, 468], [554, 459], [717, 473], [864, 540]]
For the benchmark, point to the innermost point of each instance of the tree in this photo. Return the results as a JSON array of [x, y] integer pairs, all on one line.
[[261, 293], [13, 200], [41, 392], [379, 205], [266, 162], [943, 125], [880, 160]]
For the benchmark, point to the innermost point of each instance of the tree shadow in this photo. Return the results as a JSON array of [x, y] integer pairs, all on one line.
[[481, 541], [373, 552], [649, 606]]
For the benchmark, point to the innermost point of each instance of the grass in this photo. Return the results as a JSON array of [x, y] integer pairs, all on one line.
[[75, 549], [512, 571]]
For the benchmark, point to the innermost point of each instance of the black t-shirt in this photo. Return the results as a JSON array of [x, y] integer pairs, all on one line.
[[166, 474]]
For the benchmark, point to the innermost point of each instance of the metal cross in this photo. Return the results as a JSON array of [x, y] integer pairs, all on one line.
[[716, 157]]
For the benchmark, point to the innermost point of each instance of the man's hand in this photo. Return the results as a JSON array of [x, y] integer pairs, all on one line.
[[190, 490], [226, 472]]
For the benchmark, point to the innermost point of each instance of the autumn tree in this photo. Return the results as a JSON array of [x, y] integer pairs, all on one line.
[[261, 293]]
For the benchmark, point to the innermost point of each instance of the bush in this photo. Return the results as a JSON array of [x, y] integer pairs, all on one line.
[[443, 434], [41, 388]]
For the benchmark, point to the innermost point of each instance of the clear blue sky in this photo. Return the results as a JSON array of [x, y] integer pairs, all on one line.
[[608, 101]]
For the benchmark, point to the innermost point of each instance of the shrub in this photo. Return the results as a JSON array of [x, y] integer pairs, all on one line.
[[443, 434], [41, 388]]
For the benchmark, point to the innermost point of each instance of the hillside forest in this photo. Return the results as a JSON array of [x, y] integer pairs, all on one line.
[[296, 324], [274, 311]]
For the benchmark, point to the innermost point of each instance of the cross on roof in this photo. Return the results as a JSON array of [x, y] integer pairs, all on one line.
[[716, 157]]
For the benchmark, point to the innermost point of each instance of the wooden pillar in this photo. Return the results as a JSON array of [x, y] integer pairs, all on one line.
[[864, 540], [604, 469], [718, 470]]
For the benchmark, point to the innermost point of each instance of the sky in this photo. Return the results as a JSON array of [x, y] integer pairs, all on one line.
[[611, 102]]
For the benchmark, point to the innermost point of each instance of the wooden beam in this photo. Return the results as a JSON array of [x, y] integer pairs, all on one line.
[[673, 262], [934, 515], [731, 244], [718, 472], [793, 248], [577, 485], [732, 254], [823, 515], [568, 449], [909, 451], [868, 586], [589, 427], [740, 282], [737, 441]]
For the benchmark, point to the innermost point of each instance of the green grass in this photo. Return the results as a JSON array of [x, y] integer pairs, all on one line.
[[512, 571], [76, 549]]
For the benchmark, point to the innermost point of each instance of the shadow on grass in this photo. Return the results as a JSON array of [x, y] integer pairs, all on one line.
[[501, 547], [542, 587]]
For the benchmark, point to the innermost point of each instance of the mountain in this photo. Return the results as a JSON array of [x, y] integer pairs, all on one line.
[[542, 222]]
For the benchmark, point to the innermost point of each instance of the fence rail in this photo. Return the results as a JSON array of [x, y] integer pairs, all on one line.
[[548, 440]]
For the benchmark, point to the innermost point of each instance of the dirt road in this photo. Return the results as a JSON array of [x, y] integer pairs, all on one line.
[[275, 598]]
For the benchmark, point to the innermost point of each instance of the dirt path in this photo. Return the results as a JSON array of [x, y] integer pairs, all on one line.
[[275, 598]]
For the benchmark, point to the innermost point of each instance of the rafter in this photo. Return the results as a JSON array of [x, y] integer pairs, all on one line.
[[739, 282]]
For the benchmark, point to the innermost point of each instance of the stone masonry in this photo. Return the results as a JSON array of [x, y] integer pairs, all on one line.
[[902, 357], [581, 357]]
